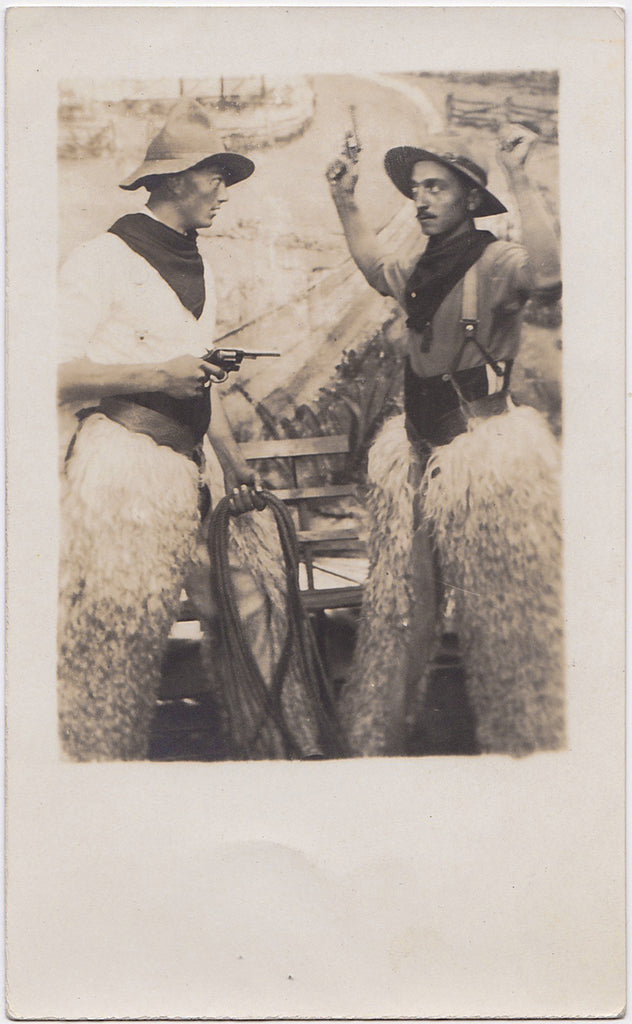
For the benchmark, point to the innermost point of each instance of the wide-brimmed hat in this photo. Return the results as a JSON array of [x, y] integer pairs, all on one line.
[[188, 139], [400, 161]]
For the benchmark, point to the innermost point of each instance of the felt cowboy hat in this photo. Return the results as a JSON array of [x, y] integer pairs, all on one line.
[[400, 161], [188, 139]]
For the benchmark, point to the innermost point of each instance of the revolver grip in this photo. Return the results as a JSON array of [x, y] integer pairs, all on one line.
[[223, 365]]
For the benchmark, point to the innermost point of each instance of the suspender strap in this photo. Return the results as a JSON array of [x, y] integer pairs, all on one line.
[[469, 321], [469, 302]]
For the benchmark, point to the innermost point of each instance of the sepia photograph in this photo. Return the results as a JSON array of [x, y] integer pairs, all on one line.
[[310, 394], [315, 513]]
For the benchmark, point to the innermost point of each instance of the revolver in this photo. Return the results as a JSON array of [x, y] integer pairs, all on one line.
[[352, 139], [229, 359], [351, 146]]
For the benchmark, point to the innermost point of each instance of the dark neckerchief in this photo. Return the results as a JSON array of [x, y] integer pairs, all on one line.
[[177, 260], [440, 267], [175, 256]]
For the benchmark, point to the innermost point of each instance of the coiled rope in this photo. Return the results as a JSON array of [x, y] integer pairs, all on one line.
[[258, 722]]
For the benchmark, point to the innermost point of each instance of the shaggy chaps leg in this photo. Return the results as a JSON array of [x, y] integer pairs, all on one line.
[[374, 699], [129, 519], [491, 504], [492, 500]]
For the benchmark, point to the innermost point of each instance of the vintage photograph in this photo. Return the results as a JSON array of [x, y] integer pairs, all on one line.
[[310, 391], [315, 362]]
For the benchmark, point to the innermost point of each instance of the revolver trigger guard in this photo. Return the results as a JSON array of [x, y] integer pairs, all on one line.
[[224, 375]]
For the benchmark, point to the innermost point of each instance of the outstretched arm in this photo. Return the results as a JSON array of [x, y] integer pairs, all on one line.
[[538, 234]]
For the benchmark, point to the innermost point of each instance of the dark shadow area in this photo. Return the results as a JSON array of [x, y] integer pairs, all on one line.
[[188, 720], [447, 724]]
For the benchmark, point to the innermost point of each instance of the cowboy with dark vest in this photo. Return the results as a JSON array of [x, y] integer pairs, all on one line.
[[136, 312], [463, 292]]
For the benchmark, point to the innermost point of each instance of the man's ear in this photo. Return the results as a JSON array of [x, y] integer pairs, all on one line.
[[473, 200], [174, 184]]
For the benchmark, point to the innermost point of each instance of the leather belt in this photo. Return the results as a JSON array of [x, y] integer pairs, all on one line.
[[162, 429], [495, 382]]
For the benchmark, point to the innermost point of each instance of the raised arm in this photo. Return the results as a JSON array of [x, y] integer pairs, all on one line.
[[538, 233], [361, 239]]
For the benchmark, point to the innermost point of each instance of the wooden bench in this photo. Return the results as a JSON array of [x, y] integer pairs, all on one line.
[[326, 552], [186, 724], [330, 542]]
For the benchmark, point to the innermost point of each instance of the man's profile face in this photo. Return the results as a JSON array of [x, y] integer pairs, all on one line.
[[441, 198], [201, 192]]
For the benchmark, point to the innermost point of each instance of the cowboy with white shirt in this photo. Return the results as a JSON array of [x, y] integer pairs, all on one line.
[[137, 307]]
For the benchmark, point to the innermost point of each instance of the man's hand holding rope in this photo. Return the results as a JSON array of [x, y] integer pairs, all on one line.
[[246, 495]]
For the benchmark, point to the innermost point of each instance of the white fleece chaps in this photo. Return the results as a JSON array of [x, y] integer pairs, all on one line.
[[489, 503], [131, 539]]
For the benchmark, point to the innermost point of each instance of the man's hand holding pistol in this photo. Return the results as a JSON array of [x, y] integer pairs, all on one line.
[[229, 360], [341, 173]]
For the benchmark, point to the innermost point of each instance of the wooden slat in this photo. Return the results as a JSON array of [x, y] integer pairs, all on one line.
[[309, 493], [291, 447], [326, 534], [324, 548], [524, 108], [340, 597], [324, 541], [472, 107]]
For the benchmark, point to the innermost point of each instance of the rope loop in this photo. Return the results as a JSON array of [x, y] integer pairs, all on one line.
[[258, 721]]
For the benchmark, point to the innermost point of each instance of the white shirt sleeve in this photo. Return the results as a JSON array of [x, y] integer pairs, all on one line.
[[84, 299], [389, 274]]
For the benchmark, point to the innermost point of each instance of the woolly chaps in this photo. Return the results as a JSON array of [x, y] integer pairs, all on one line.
[[373, 701], [130, 535], [129, 519], [491, 503]]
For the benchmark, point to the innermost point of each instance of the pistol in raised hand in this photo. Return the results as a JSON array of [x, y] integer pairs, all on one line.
[[351, 149]]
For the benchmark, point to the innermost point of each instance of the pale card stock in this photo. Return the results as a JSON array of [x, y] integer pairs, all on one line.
[[427, 887]]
